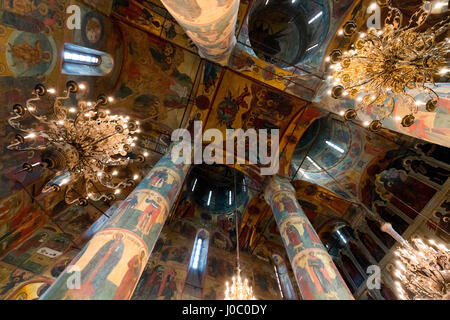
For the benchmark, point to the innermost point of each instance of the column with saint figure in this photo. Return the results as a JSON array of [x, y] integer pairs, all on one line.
[[209, 24], [111, 263], [315, 272]]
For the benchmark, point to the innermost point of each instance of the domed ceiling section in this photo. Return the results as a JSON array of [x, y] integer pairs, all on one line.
[[329, 146], [323, 146], [286, 32], [213, 187]]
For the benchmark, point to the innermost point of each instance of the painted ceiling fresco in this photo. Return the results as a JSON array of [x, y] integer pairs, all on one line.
[[159, 79], [341, 172]]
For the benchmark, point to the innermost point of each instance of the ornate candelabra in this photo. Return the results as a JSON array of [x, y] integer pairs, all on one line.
[[83, 146], [423, 271], [384, 64], [239, 290]]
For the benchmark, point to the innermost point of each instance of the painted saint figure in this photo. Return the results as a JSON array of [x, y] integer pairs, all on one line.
[[124, 291], [148, 217], [293, 235]]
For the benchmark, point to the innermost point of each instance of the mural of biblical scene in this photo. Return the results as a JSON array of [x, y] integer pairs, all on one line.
[[21, 226], [317, 276], [211, 27], [208, 82], [31, 34], [103, 6], [243, 62], [391, 187], [157, 79], [165, 274], [246, 104], [139, 15], [43, 255], [11, 277]]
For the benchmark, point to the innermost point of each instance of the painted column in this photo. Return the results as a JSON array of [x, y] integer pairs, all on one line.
[[112, 262], [315, 272], [209, 23]]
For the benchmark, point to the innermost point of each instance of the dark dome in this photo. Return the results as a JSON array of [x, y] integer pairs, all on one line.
[[324, 144], [285, 32], [217, 180]]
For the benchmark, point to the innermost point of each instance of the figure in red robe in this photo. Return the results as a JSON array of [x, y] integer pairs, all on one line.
[[319, 274], [148, 217], [288, 204], [292, 234], [125, 289]]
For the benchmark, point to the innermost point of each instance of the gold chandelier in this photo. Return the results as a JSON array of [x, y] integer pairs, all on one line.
[[83, 146], [238, 290], [384, 64], [423, 271]]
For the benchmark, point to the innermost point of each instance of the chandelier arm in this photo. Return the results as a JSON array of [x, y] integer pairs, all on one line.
[[58, 102], [420, 16], [38, 148], [398, 14], [31, 110], [121, 184], [100, 139]]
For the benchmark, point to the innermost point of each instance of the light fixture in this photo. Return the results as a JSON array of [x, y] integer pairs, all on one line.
[[77, 57], [317, 16], [209, 198], [312, 47], [314, 163], [422, 271], [239, 288], [392, 63], [82, 146]]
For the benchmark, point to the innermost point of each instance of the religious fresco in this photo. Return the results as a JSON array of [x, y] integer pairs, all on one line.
[[388, 184], [20, 224], [243, 103], [156, 80], [211, 26], [172, 253], [34, 35], [103, 6], [304, 78], [43, 255], [31, 34], [151, 16], [114, 259], [313, 267]]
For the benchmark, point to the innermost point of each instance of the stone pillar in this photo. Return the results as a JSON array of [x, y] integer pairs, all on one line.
[[315, 272], [210, 25], [111, 263]]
